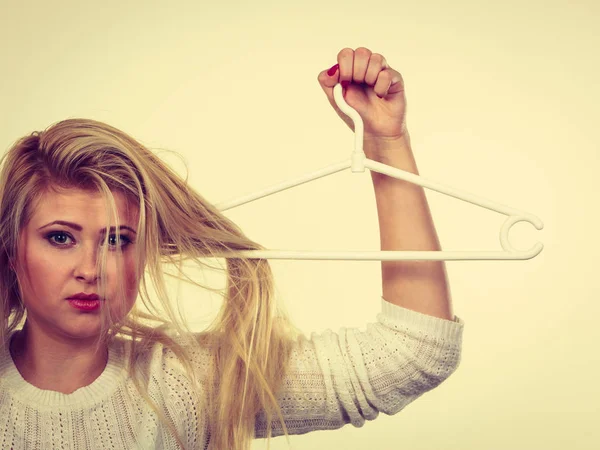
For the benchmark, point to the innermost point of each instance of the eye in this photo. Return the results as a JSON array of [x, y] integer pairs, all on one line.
[[53, 235], [125, 241]]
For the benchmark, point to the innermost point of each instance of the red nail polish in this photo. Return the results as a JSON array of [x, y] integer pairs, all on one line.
[[333, 70], [345, 84]]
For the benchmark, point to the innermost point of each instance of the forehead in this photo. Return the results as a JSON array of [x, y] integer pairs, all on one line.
[[82, 206]]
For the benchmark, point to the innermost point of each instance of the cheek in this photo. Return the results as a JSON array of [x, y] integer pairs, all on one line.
[[45, 273], [130, 277], [130, 284]]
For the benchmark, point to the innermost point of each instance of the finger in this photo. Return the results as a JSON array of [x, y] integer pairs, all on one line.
[[389, 81], [377, 63], [382, 86], [362, 57], [345, 59]]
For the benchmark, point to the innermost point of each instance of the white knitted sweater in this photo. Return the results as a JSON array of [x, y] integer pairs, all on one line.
[[335, 379]]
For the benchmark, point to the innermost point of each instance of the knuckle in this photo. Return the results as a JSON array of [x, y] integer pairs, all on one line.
[[377, 58], [345, 52]]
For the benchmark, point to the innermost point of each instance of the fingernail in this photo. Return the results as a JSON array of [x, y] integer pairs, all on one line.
[[333, 70], [345, 84]]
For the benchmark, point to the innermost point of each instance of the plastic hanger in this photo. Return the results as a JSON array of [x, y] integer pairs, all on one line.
[[357, 163]]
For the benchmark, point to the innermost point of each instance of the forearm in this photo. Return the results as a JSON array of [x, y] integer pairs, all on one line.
[[405, 223]]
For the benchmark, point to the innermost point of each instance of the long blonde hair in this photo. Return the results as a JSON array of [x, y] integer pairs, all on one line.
[[250, 339]]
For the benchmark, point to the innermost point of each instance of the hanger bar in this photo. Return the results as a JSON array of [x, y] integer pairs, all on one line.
[[357, 163], [386, 255], [461, 195], [333, 168]]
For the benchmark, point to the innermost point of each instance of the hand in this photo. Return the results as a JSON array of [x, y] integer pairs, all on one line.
[[369, 76]]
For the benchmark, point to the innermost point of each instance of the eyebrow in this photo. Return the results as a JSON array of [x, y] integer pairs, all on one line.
[[79, 227]]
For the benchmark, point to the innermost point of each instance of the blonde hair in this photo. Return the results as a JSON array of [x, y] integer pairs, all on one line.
[[250, 339]]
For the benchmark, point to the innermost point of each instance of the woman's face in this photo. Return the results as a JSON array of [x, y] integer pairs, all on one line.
[[59, 260]]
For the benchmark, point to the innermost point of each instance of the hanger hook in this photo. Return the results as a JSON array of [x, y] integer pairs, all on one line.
[[354, 115], [508, 224]]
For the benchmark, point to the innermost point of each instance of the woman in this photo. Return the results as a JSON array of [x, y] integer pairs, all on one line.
[[95, 372]]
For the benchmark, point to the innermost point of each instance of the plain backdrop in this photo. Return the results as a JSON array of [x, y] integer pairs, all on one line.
[[502, 102]]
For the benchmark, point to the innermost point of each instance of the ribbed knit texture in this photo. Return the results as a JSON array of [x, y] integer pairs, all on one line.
[[335, 379]]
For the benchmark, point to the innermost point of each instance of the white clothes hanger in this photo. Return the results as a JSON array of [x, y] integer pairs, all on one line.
[[357, 163]]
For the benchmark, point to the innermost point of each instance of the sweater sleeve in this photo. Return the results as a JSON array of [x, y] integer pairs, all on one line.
[[349, 377]]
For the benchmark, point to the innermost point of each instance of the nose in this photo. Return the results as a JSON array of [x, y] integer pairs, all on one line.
[[86, 267]]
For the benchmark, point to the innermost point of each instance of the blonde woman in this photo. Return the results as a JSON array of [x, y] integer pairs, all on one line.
[[88, 215]]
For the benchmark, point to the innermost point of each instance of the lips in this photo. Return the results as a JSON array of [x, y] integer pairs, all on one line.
[[84, 296]]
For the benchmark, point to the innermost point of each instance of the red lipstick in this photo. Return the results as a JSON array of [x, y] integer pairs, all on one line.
[[85, 302], [84, 296]]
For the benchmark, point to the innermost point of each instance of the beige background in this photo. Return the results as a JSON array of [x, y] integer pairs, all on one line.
[[503, 102]]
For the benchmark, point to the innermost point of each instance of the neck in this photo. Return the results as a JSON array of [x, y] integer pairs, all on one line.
[[65, 367]]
